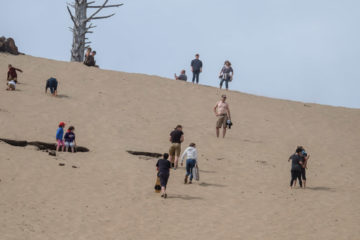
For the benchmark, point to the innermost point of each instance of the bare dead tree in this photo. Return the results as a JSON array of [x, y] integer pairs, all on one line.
[[82, 24]]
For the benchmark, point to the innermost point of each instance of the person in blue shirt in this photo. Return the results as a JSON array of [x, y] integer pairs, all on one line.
[[59, 136], [70, 139]]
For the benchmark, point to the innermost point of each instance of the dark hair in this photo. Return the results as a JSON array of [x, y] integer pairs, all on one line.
[[192, 145], [299, 149], [166, 155], [71, 128], [197, 55], [178, 126], [227, 61]]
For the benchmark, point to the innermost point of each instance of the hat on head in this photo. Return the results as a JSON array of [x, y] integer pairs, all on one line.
[[61, 124]]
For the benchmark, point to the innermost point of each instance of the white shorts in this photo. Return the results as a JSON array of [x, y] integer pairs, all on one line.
[[71, 144]]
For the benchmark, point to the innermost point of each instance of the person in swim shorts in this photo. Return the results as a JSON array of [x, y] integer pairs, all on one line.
[[222, 111], [176, 138]]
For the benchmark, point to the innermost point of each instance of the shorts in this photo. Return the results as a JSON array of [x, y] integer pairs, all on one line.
[[69, 144], [52, 90], [175, 149], [60, 142], [164, 177], [221, 121], [303, 174]]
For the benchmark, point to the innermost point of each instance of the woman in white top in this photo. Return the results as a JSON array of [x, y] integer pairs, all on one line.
[[191, 161]]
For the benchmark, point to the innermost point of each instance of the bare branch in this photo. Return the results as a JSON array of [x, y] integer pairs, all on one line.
[[90, 26], [88, 42], [97, 11], [88, 32], [108, 6], [72, 17], [103, 17], [90, 3]]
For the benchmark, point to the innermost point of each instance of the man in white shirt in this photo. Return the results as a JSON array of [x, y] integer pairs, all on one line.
[[191, 161], [222, 111]]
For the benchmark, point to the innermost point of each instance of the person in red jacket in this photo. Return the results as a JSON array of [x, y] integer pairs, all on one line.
[[11, 75]]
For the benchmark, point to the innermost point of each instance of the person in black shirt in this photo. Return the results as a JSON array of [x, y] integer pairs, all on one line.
[[163, 167], [52, 83], [196, 68], [296, 165], [176, 138]]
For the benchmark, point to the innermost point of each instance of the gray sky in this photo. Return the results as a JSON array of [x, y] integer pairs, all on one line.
[[305, 50]]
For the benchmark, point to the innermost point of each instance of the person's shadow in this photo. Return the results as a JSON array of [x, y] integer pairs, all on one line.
[[184, 197], [321, 189], [62, 96]]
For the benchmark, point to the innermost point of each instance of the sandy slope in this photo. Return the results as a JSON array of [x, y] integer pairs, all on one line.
[[243, 192]]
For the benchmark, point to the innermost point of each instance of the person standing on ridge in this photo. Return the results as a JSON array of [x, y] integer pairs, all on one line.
[[176, 138], [222, 111], [226, 74], [196, 68]]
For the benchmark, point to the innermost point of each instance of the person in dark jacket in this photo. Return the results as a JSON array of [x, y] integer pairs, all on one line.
[[296, 165], [196, 68], [52, 83], [163, 167]]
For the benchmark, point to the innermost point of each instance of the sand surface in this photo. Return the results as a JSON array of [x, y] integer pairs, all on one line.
[[243, 192]]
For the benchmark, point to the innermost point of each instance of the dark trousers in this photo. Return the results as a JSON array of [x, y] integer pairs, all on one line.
[[226, 83], [164, 177], [295, 175], [190, 164], [196, 76]]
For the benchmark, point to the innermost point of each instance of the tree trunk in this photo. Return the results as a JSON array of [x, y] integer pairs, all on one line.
[[79, 31], [80, 21]]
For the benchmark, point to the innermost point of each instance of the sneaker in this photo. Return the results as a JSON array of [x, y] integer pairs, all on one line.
[[190, 182], [162, 195], [185, 180], [165, 195]]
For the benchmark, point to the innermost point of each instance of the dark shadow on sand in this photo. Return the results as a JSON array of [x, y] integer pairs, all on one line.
[[206, 171], [204, 184], [184, 197], [62, 96], [321, 189]]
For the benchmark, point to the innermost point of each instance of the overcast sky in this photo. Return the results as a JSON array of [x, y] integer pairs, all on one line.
[[304, 50]]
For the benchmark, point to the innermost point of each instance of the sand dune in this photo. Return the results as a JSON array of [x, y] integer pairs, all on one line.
[[243, 192]]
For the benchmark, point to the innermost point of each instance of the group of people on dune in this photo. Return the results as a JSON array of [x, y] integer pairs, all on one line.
[[225, 75], [171, 159]]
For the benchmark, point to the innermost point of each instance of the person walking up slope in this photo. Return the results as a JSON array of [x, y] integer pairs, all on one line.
[[191, 161], [176, 138], [163, 167]]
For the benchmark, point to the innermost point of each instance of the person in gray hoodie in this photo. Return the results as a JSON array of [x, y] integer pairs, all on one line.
[[191, 161]]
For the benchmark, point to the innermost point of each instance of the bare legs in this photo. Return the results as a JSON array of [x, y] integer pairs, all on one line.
[[218, 132]]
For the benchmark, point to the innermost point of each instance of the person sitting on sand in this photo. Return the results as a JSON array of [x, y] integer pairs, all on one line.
[[12, 75], [52, 83], [176, 138], [296, 165], [90, 60], [182, 76], [163, 168], [59, 137], [191, 161], [222, 111], [70, 139], [11, 85]]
